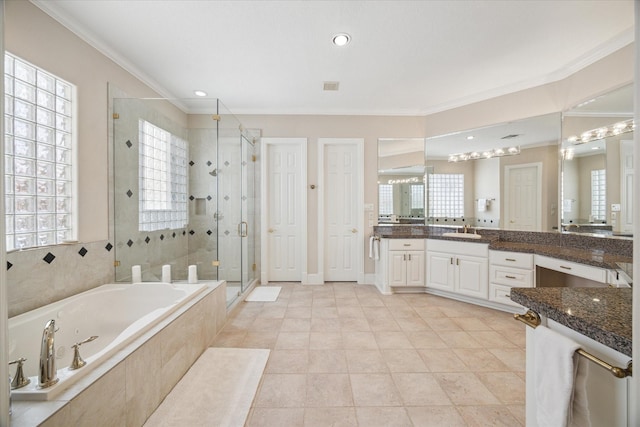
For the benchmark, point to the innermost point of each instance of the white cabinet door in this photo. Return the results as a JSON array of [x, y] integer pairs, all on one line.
[[397, 268], [471, 276], [440, 271], [415, 268]]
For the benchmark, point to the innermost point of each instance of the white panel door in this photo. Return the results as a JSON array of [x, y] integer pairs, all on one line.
[[523, 198], [626, 181], [285, 209], [340, 207]]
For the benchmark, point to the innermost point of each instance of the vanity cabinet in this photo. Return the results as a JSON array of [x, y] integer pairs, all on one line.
[[458, 267], [406, 262], [508, 270]]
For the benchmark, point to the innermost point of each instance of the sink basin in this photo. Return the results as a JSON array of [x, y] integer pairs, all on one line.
[[462, 235]]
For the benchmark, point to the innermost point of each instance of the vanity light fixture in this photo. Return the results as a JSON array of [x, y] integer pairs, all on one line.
[[488, 154], [603, 132], [341, 39], [404, 181], [199, 93]]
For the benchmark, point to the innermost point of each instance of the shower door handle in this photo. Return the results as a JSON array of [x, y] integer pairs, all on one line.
[[243, 229]]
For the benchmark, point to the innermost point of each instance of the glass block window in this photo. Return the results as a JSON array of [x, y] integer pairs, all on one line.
[[163, 179], [385, 199], [38, 142], [446, 195], [417, 196], [599, 194]]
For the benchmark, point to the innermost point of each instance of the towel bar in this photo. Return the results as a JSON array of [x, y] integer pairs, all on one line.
[[376, 237], [532, 319]]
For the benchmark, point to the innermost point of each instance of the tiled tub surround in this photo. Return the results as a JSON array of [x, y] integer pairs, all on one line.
[[37, 277], [601, 252], [116, 314], [127, 388], [602, 314]]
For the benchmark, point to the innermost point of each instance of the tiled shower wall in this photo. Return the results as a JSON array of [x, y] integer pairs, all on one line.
[[132, 247]]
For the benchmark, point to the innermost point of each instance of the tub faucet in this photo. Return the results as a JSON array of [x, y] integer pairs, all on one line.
[[48, 375]]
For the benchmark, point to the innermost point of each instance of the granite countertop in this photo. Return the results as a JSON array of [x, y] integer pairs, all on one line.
[[594, 257], [602, 314]]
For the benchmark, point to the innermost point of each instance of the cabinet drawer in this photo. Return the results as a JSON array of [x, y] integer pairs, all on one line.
[[500, 293], [572, 268], [406, 244], [511, 276], [511, 259]]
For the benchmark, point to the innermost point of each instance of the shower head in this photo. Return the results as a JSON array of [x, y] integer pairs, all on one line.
[[214, 172]]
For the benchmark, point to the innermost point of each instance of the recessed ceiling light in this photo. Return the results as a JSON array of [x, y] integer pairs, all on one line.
[[341, 39], [470, 137], [200, 93]]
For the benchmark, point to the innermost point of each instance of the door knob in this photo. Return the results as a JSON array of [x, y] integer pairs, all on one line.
[[271, 230], [354, 230]]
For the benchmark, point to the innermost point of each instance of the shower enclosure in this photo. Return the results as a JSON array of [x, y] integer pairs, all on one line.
[[184, 191]]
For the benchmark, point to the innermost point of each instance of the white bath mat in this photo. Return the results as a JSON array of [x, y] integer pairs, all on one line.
[[264, 293], [216, 391]]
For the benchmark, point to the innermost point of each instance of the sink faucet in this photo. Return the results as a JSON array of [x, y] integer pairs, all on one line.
[[466, 228], [48, 375]]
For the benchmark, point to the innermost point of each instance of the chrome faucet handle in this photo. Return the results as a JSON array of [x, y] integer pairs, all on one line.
[[78, 362], [19, 380]]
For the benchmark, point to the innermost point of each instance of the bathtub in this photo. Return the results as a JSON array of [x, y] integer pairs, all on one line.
[[116, 313]]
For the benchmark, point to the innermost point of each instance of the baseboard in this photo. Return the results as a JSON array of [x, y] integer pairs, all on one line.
[[313, 279]]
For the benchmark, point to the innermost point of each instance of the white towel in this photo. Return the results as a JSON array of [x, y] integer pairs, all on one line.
[[374, 248], [555, 378], [482, 205]]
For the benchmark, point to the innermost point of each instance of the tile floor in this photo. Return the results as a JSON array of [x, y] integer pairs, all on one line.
[[344, 355]]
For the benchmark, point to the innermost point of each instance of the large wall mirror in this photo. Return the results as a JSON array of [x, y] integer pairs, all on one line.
[[597, 165], [401, 175], [502, 176]]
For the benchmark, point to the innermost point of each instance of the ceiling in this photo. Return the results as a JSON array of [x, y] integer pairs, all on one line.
[[405, 57]]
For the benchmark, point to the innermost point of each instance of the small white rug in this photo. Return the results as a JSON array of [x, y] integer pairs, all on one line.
[[264, 293], [216, 391]]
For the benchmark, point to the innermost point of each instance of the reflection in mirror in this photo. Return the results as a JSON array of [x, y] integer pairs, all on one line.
[[401, 181], [597, 173], [502, 176]]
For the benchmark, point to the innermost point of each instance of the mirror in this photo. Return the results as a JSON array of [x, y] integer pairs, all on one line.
[[503, 176], [401, 181], [597, 165]]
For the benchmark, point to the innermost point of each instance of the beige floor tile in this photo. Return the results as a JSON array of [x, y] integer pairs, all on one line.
[[366, 361], [383, 417], [440, 324], [426, 339], [419, 353], [282, 391], [327, 361], [436, 416], [459, 339], [354, 324], [420, 389], [374, 390], [328, 390], [297, 313], [404, 360], [465, 389], [295, 325], [269, 417], [442, 360], [288, 362], [392, 340], [325, 340], [483, 416], [334, 417], [515, 359], [292, 340], [413, 323], [354, 340], [480, 360], [508, 387]]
